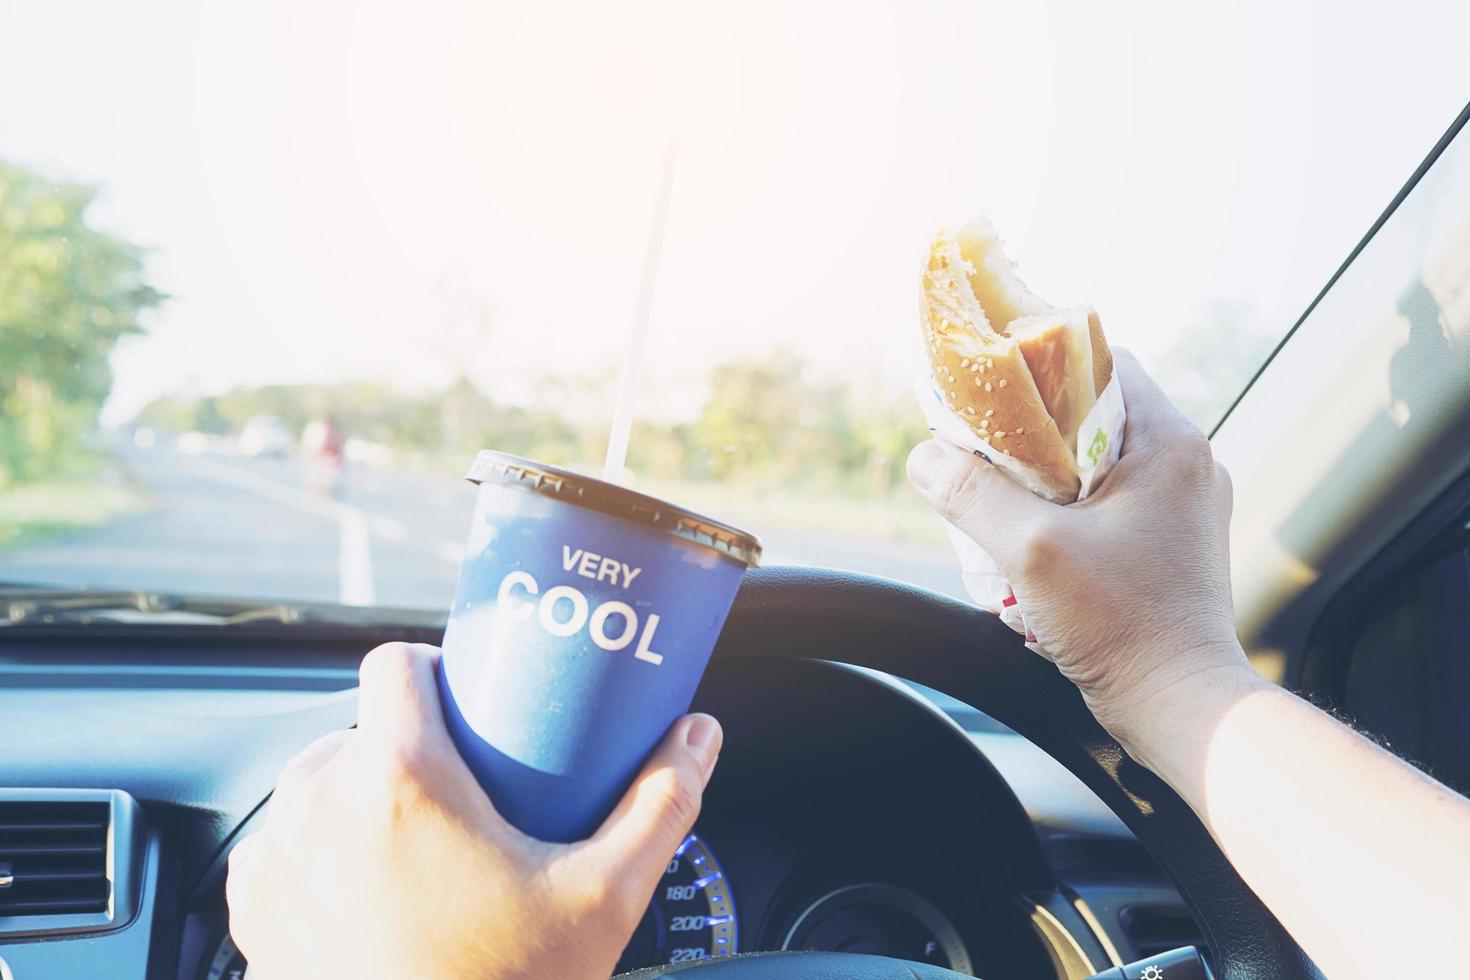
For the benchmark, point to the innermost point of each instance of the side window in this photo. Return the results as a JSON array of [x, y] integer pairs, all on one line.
[[1407, 677]]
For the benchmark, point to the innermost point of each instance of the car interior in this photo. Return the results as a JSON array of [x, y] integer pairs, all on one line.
[[901, 776]]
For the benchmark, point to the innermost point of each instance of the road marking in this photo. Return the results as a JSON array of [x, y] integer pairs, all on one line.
[[355, 560], [354, 554]]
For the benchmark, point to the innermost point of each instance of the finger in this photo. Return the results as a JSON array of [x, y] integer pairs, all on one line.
[[309, 761], [1151, 419], [404, 739], [634, 844], [398, 700], [989, 507]]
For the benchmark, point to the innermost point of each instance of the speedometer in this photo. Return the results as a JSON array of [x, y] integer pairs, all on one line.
[[692, 915]]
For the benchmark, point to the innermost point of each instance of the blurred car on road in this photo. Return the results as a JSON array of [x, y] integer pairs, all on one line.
[[265, 435], [193, 443]]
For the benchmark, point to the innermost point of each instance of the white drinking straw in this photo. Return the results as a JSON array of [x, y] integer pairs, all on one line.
[[622, 422]]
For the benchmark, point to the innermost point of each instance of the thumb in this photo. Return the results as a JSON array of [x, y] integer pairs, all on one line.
[[634, 844], [991, 509]]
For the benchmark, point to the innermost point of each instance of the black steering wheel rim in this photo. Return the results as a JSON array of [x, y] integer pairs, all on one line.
[[970, 655]]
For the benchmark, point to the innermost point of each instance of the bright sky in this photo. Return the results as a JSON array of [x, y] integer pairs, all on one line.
[[346, 188]]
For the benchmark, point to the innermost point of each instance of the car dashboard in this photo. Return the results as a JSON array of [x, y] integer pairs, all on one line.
[[850, 811]]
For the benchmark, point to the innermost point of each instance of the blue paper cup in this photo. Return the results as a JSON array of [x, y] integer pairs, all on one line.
[[583, 620]]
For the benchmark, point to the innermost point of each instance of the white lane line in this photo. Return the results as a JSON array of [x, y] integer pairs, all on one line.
[[354, 554], [355, 560]]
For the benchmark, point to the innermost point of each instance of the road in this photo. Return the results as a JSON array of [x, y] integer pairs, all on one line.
[[238, 526]]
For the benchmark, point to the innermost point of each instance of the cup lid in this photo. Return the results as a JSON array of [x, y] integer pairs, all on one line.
[[516, 472]]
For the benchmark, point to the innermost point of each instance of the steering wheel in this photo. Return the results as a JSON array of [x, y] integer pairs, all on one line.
[[972, 656]]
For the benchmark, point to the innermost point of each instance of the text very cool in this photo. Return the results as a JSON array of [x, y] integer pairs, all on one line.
[[514, 604]]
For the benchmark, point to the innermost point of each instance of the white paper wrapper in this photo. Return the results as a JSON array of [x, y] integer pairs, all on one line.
[[1098, 443]]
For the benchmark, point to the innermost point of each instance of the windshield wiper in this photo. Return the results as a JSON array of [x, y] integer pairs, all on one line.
[[41, 606]]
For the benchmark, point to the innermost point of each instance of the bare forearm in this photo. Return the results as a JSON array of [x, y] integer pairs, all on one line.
[[1361, 856]]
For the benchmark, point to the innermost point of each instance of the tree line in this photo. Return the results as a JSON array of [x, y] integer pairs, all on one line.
[[766, 420]]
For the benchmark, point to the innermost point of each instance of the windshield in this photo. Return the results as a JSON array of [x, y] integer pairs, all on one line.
[[271, 274]]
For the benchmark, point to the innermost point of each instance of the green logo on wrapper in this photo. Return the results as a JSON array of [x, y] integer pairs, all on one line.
[[1098, 447]]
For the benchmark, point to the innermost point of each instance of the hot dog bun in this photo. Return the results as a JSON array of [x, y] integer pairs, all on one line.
[[1021, 374]]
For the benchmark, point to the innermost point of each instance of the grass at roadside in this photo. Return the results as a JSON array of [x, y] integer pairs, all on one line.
[[35, 512]]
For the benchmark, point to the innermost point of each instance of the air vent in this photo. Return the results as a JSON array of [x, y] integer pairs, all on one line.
[[54, 856], [1155, 929], [67, 860]]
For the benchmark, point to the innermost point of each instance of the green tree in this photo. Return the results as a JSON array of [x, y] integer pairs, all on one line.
[[68, 292], [764, 422], [879, 431]]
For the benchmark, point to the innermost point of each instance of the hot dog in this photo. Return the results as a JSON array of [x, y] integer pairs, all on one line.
[[1021, 374]]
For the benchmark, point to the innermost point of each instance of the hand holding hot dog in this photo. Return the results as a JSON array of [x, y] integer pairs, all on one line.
[[1153, 610]]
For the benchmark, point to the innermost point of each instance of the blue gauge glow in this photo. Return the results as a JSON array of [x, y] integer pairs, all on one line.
[[692, 915]]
